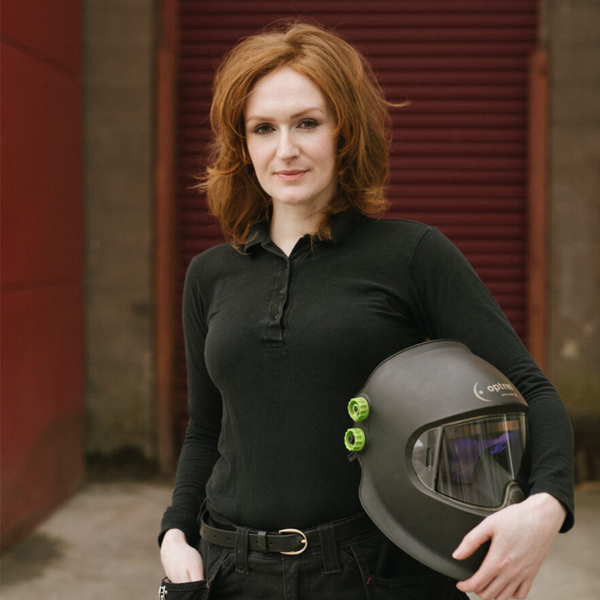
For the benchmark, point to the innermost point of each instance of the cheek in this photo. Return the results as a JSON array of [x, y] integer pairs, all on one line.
[[251, 152], [260, 164], [328, 155], [327, 148], [258, 154]]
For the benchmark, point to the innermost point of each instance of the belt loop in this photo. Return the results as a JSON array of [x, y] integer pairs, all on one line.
[[201, 512], [331, 562], [262, 544], [241, 550]]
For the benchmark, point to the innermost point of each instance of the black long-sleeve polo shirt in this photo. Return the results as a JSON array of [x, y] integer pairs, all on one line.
[[277, 345]]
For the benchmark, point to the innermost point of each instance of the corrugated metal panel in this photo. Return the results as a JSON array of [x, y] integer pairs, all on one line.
[[459, 151]]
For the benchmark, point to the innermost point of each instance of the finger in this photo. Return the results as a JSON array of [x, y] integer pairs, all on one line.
[[484, 576], [475, 538], [524, 589], [498, 579], [502, 590], [477, 582], [483, 591], [509, 576]]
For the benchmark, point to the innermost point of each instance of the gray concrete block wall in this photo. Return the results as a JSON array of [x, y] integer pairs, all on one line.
[[573, 40], [119, 91]]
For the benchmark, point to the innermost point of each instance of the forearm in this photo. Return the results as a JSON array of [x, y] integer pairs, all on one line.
[[198, 457]]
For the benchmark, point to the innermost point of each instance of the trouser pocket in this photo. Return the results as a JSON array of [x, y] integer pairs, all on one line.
[[193, 590], [389, 573], [196, 590]]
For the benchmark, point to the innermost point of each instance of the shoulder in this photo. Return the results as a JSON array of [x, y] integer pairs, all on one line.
[[420, 247], [221, 253], [398, 233], [209, 263], [408, 232], [403, 230]]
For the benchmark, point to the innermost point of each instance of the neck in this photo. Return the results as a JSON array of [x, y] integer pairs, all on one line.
[[289, 224]]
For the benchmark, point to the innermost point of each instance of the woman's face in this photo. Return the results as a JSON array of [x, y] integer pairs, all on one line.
[[290, 134]]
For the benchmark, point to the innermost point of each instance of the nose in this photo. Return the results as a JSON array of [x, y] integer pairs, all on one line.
[[287, 148]]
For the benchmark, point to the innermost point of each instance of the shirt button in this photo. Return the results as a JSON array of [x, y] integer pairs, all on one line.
[[281, 292]]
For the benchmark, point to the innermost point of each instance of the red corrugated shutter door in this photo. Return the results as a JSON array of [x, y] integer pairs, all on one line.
[[459, 150]]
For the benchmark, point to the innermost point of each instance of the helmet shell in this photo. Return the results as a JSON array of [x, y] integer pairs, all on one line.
[[413, 391]]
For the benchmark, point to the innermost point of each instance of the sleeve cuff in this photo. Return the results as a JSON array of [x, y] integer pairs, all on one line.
[[179, 519], [568, 503]]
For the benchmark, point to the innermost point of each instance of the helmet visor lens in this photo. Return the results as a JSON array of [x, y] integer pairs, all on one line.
[[474, 461], [479, 459]]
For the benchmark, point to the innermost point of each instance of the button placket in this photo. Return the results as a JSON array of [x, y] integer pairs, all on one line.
[[274, 332], [282, 295]]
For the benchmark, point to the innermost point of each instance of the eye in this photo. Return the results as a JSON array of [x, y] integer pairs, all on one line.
[[308, 124], [263, 129]]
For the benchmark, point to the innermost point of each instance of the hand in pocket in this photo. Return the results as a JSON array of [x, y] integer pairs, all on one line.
[[182, 563]]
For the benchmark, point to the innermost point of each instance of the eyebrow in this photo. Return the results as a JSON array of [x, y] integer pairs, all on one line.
[[294, 116]]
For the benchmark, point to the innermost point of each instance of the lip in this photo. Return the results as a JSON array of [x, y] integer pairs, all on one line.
[[290, 174]]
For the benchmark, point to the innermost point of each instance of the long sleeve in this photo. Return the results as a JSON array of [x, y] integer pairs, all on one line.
[[450, 301], [200, 447]]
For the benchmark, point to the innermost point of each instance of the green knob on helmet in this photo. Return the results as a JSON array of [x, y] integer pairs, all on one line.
[[358, 408], [355, 439]]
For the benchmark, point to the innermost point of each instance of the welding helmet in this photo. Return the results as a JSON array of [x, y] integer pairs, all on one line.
[[440, 435]]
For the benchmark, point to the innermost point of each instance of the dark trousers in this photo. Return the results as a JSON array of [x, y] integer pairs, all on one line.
[[367, 566]]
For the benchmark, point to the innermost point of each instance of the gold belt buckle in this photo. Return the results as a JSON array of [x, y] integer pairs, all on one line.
[[304, 541]]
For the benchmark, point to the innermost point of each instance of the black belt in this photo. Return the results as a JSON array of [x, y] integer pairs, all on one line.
[[286, 541]]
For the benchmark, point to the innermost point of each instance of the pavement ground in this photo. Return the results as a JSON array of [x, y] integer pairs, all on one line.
[[101, 545]]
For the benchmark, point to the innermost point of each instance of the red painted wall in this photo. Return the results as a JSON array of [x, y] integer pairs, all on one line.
[[42, 404]]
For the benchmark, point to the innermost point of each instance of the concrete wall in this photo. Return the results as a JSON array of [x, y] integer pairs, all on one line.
[[573, 41], [119, 81]]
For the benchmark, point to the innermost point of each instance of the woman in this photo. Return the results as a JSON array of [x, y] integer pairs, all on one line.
[[284, 324]]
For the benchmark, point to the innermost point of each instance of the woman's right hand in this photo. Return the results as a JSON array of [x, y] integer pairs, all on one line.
[[181, 562]]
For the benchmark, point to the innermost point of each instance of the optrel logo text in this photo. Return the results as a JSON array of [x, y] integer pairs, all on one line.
[[503, 389]]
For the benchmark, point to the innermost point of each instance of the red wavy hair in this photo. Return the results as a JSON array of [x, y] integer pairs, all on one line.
[[354, 96]]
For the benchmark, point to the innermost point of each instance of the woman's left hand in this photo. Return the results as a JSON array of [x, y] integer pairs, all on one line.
[[521, 536]]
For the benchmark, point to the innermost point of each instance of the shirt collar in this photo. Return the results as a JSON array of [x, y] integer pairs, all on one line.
[[259, 233], [342, 226]]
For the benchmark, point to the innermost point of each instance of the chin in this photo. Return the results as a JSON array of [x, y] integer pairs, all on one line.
[[294, 200]]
